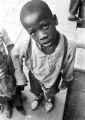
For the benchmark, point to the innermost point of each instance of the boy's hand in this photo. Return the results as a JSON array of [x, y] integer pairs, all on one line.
[[64, 85]]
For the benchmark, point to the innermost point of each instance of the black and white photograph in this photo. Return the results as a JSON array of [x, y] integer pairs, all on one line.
[[42, 59]]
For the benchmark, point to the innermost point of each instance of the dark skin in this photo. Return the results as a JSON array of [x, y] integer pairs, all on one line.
[[42, 28]]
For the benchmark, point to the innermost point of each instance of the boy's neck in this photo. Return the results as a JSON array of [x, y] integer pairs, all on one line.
[[57, 39]]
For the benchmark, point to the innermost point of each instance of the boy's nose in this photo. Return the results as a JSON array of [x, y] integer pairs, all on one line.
[[42, 35]]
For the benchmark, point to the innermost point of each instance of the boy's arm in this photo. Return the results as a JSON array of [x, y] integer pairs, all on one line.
[[19, 52], [80, 45], [68, 65], [18, 66]]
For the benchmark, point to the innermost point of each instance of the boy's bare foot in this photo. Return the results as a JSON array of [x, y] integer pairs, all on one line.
[[36, 102], [49, 104]]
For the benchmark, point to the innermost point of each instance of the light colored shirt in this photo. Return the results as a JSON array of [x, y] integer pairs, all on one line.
[[45, 68]]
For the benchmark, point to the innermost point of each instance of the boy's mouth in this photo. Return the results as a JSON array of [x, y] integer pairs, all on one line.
[[47, 44]]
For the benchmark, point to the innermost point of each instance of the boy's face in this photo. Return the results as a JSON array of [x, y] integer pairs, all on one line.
[[41, 28]]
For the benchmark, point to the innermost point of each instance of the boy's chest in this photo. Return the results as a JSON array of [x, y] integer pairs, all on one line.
[[44, 65], [49, 63]]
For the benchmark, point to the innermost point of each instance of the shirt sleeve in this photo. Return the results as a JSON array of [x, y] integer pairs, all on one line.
[[17, 54], [68, 66]]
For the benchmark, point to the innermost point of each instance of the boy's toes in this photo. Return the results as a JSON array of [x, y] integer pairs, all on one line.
[[34, 105], [36, 102], [49, 104]]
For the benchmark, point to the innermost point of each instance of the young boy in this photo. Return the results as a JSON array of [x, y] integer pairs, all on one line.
[[10, 94], [48, 55]]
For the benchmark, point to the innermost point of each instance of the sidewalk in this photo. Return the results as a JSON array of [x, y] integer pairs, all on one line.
[[75, 102]]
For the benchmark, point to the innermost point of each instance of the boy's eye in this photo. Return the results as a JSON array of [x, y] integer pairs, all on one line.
[[45, 26], [32, 33]]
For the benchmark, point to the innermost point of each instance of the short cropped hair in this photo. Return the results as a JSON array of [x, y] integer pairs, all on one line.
[[34, 6]]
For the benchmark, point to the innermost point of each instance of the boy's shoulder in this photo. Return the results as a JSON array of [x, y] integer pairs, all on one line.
[[20, 46], [69, 42], [72, 44]]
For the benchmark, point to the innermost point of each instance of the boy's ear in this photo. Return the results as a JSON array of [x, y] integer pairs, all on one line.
[[55, 19]]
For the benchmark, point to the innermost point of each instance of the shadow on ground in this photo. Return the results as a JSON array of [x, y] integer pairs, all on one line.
[[75, 100]]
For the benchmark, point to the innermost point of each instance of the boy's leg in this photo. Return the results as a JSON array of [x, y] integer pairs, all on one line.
[[50, 94], [36, 90], [17, 98], [8, 106], [73, 10], [2, 102], [74, 6]]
